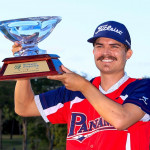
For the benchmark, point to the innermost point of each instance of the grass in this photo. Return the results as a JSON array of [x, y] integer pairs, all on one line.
[[12, 144], [16, 143]]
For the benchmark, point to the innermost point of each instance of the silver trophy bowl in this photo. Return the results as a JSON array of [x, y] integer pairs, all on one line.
[[29, 32]]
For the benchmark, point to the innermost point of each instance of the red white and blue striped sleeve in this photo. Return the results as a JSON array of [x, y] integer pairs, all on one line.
[[138, 93], [54, 105]]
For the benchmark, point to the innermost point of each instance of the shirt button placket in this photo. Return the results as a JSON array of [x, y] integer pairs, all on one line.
[[91, 146]]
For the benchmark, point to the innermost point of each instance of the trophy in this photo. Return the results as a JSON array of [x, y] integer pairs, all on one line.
[[30, 61]]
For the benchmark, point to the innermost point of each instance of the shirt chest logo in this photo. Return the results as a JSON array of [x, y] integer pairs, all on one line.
[[80, 128]]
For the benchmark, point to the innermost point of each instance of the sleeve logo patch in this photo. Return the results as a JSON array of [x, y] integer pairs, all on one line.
[[144, 99]]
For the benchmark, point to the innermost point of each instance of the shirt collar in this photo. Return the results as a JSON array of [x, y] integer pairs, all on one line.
[[115, 86]]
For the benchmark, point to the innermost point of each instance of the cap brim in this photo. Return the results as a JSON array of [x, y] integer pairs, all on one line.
[[93, 39]]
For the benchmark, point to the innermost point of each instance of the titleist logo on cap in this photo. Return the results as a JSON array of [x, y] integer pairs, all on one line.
[[109, 28]]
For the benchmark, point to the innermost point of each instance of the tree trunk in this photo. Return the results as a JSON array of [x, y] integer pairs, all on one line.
[[1, 128], [24, 124], [52, 138], [50, 135], [12, 129]]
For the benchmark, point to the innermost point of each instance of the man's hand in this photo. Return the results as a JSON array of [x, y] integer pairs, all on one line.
[[16, 47], [71, 80]]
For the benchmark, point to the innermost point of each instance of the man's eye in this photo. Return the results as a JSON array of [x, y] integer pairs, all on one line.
[[114, 46], [99, 46]]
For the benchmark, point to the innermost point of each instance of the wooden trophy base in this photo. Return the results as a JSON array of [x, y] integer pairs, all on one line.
[[30, 67]]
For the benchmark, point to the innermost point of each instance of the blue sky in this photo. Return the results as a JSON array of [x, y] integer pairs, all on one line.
[[79, 20]]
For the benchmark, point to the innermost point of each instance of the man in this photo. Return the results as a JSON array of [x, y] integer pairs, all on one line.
[[111, 112]]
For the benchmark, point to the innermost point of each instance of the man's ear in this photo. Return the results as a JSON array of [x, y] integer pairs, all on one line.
[[129, 54]]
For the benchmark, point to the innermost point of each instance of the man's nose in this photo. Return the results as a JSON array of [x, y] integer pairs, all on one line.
[[106, 50]]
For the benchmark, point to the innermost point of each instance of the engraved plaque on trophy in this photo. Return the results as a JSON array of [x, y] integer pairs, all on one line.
[[30, 61]]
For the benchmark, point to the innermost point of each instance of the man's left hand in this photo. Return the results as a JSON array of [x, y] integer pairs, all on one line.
[[71, 80]]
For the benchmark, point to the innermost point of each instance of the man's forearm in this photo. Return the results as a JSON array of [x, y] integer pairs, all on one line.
[[24, 96]]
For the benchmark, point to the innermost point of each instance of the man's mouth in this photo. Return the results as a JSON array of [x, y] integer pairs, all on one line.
[[107, 59]]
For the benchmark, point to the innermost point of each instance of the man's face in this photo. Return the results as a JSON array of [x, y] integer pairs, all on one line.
[[110, 55]]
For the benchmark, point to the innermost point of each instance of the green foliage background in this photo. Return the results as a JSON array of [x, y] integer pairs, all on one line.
[[39, 133]]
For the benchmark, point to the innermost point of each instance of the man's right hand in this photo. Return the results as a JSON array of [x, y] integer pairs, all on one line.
[[16, 47]]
